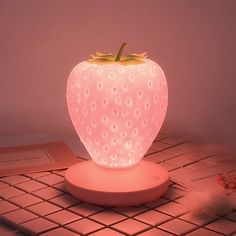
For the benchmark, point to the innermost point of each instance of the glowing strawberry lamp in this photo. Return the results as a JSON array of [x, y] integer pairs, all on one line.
[[117, 105]]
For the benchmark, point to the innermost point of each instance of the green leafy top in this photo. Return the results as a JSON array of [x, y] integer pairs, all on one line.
[[131, 59]]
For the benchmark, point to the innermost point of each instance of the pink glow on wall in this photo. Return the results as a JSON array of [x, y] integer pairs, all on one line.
[[117, 110]]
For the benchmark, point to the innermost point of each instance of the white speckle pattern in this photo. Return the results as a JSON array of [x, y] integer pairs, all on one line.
[[128, 102], [78, 83], [147, 105], [86, 75], [131, 78], [121, 70], [150, 84], [78, 98], [104, 102], [114, 127], [104, 119], [124, 87], [111, 75], [118, 100], [93, 106], [114, 90], [137, 113], [99, 85], [117, 110], [99, 72], [86, 93]]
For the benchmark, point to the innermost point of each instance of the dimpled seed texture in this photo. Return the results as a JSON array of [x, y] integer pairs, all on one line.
[[117, 110]]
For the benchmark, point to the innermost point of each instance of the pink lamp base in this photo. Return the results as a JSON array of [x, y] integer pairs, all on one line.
[[142, 183]]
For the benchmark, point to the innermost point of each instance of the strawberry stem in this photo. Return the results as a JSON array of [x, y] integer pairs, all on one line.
[[120, 52]]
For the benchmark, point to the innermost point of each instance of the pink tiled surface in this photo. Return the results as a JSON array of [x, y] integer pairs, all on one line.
[[38, 203]]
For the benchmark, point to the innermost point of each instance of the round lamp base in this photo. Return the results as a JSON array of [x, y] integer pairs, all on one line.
[[142, 183]]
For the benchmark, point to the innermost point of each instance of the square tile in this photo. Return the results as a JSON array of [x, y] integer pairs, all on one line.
[[199, 165], [155, 232], [160, 136], [37, 174], [9, 192], [201, 220], [31, 186], [107, 217], [43, 208], [65, 200], [84, 226], [156, 203], [6, 230], [223, 226], [169, 166], [178, 227], [180, 171], [180, 187], [174, 140], [61, 186], [153, 217], [18, 216], [106, 232], [61, 173], [172, 208], [38, 225], [203, 232], [232, 216], [48, 193], [6, 206], [51, 179], [85, 209], [182, 160], [158, 157], [25, 200], [157, 146], [63, 217], [3, 185], [130, 210], [59, 231], [195, 156], [15, 179], [175, 151], [130, 226], [173, 194]]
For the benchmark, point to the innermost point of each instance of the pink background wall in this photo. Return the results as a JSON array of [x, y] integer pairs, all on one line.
[[193, 41]]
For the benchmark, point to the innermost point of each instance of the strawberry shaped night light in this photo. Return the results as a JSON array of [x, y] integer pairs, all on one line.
[[117, 105]]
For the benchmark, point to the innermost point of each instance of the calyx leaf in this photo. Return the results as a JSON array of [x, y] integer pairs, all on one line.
[[131, 59]]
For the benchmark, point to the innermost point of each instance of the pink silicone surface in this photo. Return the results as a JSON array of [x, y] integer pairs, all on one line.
[[117, 110]]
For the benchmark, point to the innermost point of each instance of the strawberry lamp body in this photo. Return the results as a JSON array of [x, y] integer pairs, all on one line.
[[117, 110], [117, 105]]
